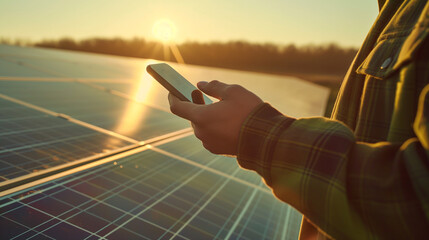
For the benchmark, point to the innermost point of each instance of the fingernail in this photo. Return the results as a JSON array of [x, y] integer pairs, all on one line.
[[202, 84]]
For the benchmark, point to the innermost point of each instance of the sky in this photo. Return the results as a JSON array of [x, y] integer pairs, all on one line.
[[302, 22]]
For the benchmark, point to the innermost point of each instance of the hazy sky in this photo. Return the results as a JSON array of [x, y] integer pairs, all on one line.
[[278, 21]]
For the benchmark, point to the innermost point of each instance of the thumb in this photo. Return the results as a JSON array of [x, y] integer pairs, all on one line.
[[214, 88]]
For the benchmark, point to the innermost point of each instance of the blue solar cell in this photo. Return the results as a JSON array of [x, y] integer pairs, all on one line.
[[31, 141], [99, 108], [146, 195]]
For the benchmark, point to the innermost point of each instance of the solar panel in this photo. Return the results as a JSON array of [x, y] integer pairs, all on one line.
[[70, 69], [59, 108], [96, 107], [60, 63], [31, 141], [147, 195], [10, 69]]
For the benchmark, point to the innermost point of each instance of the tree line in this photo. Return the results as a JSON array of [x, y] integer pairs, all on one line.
[[289, 59]]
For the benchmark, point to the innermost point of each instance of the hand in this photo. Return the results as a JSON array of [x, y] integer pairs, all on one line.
[[218, 124]]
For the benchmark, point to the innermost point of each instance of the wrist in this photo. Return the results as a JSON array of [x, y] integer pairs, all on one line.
[[258, 136]]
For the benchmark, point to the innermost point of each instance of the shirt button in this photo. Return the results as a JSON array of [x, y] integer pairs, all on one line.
[[386, 63]]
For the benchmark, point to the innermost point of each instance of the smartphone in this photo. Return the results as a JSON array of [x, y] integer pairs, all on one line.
[[175, 83]]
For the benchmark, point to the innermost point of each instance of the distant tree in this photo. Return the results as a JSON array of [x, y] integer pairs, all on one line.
[[289, 59]]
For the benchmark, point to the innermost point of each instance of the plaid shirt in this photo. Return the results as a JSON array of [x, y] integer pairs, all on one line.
[[364, 173]]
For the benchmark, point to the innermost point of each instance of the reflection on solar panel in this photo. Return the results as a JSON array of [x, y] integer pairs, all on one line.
[[88, 151], [31, 141]]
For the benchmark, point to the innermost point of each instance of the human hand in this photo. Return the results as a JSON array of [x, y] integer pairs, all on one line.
[[218, 124]]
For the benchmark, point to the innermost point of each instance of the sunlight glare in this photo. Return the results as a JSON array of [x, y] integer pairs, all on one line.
[[135, 113], [164, 30], [144, 88]]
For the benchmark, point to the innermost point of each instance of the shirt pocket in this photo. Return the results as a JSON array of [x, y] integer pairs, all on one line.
[[390, 54]]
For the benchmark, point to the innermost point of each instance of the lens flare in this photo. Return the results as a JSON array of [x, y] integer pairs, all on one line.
[[164, 30]]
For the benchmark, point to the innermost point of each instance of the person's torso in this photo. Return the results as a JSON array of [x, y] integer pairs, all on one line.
[[379, 95]]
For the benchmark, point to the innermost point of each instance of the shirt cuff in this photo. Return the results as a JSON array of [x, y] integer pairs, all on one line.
[[258, 138]]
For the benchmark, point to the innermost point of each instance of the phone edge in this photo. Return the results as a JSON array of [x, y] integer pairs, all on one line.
[[166, 84]]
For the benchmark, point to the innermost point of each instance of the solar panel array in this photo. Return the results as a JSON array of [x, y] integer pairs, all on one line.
[[88, 150]]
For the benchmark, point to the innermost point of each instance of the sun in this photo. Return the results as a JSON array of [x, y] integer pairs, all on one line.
[[164, 30]]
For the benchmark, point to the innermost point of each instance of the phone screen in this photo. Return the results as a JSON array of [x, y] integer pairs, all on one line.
[[174, 82]]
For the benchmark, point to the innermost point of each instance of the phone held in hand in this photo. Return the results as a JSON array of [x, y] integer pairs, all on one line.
[[175, 83]]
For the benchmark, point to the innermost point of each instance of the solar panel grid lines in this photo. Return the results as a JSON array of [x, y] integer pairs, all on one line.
[[119, 185], [163, 139], [64, 116], [33, 141], [287, 220], [199, 225], [212, 195], [73, 184], [279, 229], [246, 206], [182, 184], [256, 212], [71, 168], [207, 168], [254, 229], [191, 148], [13, 185], [39, 177], [39, 135]]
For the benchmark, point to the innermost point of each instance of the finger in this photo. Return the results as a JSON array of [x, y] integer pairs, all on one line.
[[182, 109], [214, 88], [197, 97]]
